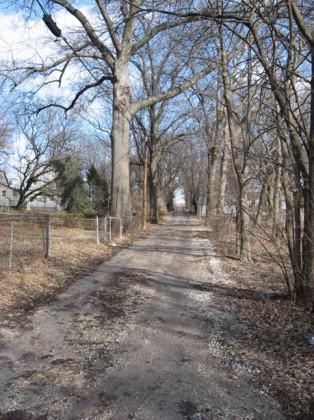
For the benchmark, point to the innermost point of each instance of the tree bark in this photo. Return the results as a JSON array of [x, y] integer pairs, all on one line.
[[213, 146], [293, 224], [153, 194], [308, 237], [154, 203], [213, 156], [144, 218], [244, 223], [289, 228], [261, 201], [120, 200], [154, 157], [224, 163], [239, 161], [276, 204], [170, 203]]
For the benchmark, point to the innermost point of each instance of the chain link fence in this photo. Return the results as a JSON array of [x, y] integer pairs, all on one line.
[[25, 237]]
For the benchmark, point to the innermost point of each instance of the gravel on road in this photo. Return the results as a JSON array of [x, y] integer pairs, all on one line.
[[137, 339]]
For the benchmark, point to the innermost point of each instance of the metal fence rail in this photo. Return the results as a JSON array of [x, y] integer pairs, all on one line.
[[23, 237]]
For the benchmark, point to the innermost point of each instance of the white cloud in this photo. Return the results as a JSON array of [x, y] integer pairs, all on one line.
[[30, 43], [23, 42]]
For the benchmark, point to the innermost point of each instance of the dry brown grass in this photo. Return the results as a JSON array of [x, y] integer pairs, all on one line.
[[269, 252], [274, 345], [33, 278], [37, 278]]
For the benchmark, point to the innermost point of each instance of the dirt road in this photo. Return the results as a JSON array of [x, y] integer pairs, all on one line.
[[138, 339]]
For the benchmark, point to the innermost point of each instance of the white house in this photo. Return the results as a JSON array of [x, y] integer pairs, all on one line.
[[43, 203], [8, 195], [9, 198]]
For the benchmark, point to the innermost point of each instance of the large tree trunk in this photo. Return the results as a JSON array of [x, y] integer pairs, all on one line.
[[212, 171], [240, 169], [214, 144], [153, 199], [169, 202], [261, 202], [239, 162], [289, 227], [190, 202], [293, 224], [308, 237], [224, 163], [244, 222], [153, 186], [153, 164], [120, 184], [21, 201], [276, 205]]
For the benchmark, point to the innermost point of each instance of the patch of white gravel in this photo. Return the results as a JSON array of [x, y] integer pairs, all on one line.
[[217, 272], [219, 322]]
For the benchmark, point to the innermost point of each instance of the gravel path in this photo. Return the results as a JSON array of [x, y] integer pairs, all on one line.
[[134, 340]]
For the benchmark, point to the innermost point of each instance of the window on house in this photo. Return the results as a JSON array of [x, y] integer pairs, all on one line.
[[3, 193]]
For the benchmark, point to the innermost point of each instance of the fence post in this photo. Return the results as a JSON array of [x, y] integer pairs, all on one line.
[[105, 229], [11, 245], [121, 230], [110, 229], [47, 236], [97, 230]]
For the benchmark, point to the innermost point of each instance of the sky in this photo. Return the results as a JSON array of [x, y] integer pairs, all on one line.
[[179, 200], [29, 41], [24, 42]]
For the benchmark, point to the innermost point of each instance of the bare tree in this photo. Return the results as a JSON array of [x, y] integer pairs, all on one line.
[[161, 124], [4, 140], [44, 140], [193, 173], [281, 39], [110, 62], [211, 120]]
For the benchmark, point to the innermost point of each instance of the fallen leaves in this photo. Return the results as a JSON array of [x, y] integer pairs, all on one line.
[[273, 347]]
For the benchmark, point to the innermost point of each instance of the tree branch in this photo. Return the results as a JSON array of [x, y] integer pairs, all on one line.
[[114, 38], [160, 28], [129, 23], [136, 106], [78, 95], [300, 23], [105, 51]]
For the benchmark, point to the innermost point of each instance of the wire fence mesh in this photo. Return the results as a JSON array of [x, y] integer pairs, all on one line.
[[21, 239], [25, 237]]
